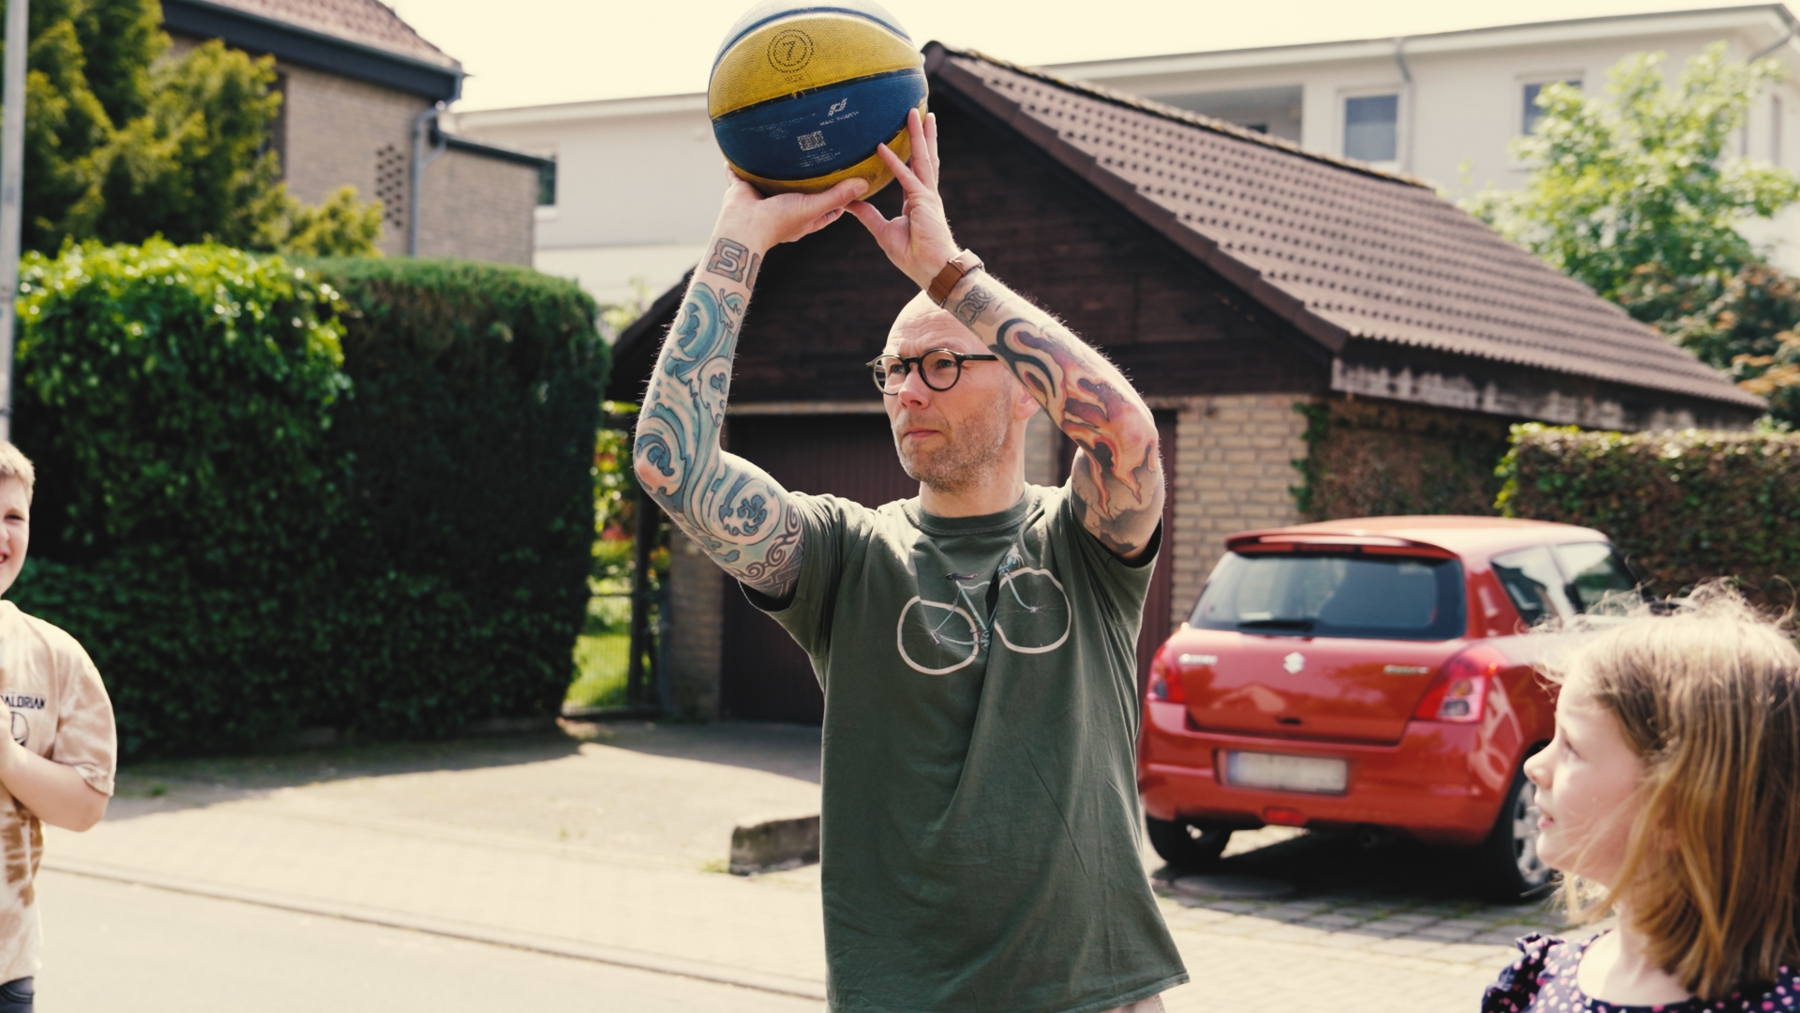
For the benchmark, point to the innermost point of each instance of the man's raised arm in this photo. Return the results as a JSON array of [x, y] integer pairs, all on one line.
[[738, 515], [1117, 476]]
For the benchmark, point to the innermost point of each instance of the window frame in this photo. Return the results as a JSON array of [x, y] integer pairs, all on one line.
[[1578, 78], [1399, 94]]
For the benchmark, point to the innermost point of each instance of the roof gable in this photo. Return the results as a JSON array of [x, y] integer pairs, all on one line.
[[1341, 250], [364, 22]]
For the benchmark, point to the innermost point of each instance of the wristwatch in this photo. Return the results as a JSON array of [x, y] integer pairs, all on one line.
[[958, 268]]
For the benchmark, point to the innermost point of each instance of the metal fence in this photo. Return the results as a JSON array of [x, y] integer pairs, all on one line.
[[621, 657]]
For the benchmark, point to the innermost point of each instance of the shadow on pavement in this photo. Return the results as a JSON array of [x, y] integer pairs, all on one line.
[[159, 786], [1367, 883], [168, 785], [787, 750]]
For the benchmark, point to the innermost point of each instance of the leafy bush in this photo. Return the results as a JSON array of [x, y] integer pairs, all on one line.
[[1743, 325], [467, 547], [176, 401], [1368, 459], [1685, 506], [270, 501]]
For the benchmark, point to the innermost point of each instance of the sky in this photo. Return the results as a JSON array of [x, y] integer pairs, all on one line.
[[537, 52]]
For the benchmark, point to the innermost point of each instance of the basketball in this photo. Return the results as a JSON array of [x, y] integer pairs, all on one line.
[[800, 96]]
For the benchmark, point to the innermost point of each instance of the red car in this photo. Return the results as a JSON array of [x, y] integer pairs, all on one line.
[[1368, 674]]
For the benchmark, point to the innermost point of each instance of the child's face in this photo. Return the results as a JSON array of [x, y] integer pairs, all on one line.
[[1587, 779], [15, 530]]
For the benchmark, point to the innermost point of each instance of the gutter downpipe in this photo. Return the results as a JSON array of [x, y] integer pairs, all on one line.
[[1793, 30], [1787, 37], [426, 119], [12, 197], [1406, 151]]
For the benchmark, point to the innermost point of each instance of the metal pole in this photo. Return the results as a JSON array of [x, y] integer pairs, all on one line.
[[636, 686], [12, 196], [416, 176]]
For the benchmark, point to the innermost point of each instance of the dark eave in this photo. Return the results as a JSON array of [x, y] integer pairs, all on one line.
[[499, 154], [306, 48]]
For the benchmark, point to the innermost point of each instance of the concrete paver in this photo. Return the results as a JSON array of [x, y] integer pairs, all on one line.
[[604, 850], [114, 947]]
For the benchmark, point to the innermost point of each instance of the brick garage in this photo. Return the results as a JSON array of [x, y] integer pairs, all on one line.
[[1235, 278]]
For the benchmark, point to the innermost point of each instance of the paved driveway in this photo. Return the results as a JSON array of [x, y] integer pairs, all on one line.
[[605, 849]]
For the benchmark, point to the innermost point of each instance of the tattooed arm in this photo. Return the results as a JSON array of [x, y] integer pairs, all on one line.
[[1117, 476], [737, 514]]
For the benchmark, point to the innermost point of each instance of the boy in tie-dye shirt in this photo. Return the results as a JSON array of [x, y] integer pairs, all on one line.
[[57, 764]]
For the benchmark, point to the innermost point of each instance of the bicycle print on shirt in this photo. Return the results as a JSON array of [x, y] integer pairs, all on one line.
[[1027, 610]]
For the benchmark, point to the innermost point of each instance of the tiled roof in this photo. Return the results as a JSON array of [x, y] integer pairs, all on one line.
[[1338, 248], [365, 22]]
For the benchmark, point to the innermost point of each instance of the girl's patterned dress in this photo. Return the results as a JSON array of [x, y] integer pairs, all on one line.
[[1543, 981]]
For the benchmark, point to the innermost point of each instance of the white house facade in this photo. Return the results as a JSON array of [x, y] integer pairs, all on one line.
[[635, 192], [639, 179]]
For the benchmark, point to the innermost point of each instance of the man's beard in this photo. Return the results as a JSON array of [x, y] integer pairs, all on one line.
[[968, 450]]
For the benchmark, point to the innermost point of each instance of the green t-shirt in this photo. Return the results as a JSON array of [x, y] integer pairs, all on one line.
[[980, 824]]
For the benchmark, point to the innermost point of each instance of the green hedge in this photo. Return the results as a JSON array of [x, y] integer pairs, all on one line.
[[1373, 459], [1685, 506], [356, 494], [471, 523]]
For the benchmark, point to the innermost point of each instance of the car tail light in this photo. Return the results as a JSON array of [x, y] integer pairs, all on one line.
[[1461, 686], [1283, 816], [1165, 681]]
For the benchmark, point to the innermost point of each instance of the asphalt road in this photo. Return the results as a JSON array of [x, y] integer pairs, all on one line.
[[113, 947]]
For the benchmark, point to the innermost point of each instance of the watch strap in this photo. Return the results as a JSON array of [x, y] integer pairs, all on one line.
[[958, 268]]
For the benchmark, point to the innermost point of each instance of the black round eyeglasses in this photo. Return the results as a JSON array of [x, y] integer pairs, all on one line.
[[940, 368]]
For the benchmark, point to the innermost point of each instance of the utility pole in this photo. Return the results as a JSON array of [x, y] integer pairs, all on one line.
[[12, 196]]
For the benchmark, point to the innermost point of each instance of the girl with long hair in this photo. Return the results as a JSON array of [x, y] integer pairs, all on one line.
[[1670, 796]]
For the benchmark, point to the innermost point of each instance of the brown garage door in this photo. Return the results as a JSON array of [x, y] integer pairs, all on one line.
[[766, 676]]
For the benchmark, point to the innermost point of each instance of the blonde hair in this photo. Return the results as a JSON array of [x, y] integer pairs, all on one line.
[[14, 464], [1709, 698]]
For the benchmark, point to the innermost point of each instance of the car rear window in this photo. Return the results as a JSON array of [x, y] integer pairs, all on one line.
[[1334, 595], [1594, 571], [1561, 580], [1534, 584]]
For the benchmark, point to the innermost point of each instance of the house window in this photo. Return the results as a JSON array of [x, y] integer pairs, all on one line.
[[547, 184], [1528, 123], [1372, 127]]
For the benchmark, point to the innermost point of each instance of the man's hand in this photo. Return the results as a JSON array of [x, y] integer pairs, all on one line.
[[762, 223], [918, 241]]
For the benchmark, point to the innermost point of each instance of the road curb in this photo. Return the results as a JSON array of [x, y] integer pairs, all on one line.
[[574, 949]]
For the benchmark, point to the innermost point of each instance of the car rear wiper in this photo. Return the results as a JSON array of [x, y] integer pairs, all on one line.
[[1276, 624]]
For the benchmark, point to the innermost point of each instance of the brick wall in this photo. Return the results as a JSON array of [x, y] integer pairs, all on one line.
[[696, 602], [478, 208], [338, 131], [1233, 471]]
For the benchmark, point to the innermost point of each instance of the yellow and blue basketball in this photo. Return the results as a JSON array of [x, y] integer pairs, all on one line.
[[801, 95]]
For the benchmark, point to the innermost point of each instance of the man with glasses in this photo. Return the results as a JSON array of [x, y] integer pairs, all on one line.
[[976, 645]]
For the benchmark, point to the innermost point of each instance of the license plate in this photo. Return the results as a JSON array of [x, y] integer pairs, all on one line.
[[1316, 774]]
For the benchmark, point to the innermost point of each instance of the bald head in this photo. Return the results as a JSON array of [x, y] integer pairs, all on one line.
[[922, 325]]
